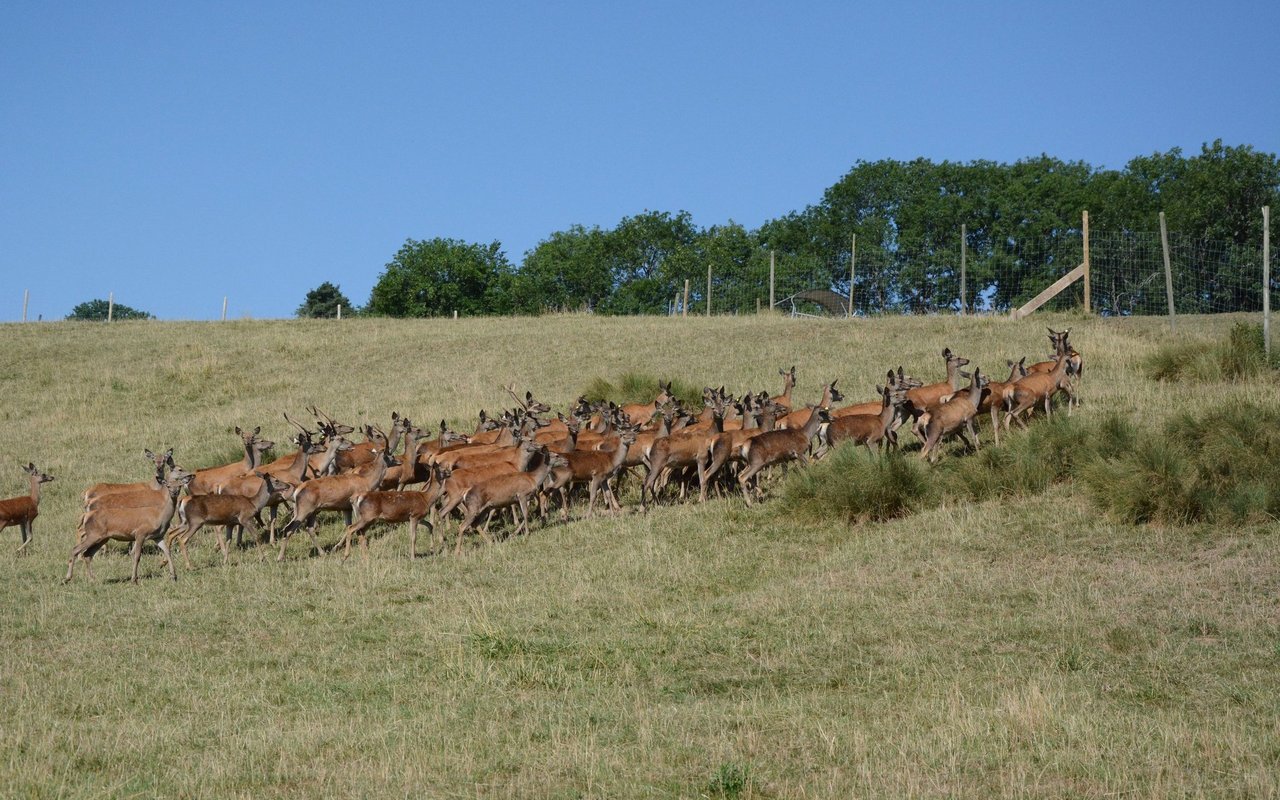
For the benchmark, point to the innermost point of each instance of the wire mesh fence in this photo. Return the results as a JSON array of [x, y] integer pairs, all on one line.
[[1127, 277]]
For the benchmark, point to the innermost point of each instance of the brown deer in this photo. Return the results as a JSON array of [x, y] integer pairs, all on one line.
[[162, 464], [726, 448], [920, 398], [892, 381], [953, 418], [641, 413], [21, 511], [798, 418], [679, 451], [208, 481], [421, 472], [594, 468], [393, 507], [229, 510], [864, 429], [778, 447], [128, 523], [363, 453], [334, 493], [1040, 388], [1075, 365], [513, 488], [788, 383], [462, 479]]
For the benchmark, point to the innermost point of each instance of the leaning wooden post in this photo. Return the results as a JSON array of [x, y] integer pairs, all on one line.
[[708, 290], [964, 252], [26, 295], [1168, 269], [1266, 280], [1088, 300], [771, 266], [853, 264], [111, 305], [224, 308], [686, 298]]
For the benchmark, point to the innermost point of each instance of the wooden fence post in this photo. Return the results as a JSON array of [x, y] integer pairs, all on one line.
[[964, 252], [686, 298], [26, 295], [111, 305], [708, 290], [1266, 280], [1168, 270], [853, 265], [1088, 299], [771, 267], [224, 308]]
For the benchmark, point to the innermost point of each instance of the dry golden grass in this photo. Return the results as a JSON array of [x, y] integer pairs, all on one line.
[[1006, 648]]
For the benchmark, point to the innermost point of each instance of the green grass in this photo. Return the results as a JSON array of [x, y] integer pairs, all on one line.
[[1008, 640]]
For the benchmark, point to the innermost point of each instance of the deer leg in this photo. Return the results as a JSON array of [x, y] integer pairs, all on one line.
[[137, 558], [524, 512], [591, 502], [27, 536], [168, 557], [972, 425], [183, 535], [744, 479]]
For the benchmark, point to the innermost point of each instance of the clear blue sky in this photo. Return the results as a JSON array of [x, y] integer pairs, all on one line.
[[179, 152]]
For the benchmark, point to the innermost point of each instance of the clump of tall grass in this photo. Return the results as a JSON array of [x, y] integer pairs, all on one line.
[[639, 387], [851, 485], [1218, 467], [1241, 355]]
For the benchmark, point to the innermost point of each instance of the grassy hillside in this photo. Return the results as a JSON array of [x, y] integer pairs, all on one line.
[[1002, 648]]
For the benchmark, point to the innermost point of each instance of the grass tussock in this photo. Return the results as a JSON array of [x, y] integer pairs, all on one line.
[[1219, 467], [1242, 355], [850, 485], [639, 387]]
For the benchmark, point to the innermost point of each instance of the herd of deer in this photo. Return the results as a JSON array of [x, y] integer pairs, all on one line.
[[525, 457]]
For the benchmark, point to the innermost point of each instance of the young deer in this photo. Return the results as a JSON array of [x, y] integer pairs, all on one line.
[[208, 481], [363, 453], [1040, 387], [393, 507], [230, 510], [514, 488], [21, 511], [949, 418], [594, 468], [788, 383], [461, 480], [727, 447], [864, 429], [334, 493], [162, 464], [921, 398], [129, 523], [778, 447], [892, 381], [800, 417], [640, 413], [1075, 363]]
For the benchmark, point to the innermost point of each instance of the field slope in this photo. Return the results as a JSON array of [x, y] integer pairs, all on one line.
[[1026, 648]]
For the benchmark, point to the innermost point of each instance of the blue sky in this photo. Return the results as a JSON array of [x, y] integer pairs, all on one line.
[[175, 153]]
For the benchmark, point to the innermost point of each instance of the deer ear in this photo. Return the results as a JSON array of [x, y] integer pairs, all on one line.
[[257, 430], [946, 352], [149, 454]]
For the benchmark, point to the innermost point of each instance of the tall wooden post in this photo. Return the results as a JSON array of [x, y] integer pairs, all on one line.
[[686, 298], [1168, 269], [853, 268], [1266, 280], [708, 290], [111, 305], [339, 310], [224, 308], [26, 295], [771, 267], [964, 252], [1088, 299]]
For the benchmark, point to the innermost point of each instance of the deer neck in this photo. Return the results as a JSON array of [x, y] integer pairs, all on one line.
[[811, 425], [953, 375], [887, 412], [35, 489], [620, 454], [378, 472]]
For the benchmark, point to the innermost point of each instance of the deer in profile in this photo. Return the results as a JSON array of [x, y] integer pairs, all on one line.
[[23, 510], [1075, 363], [418, 470], [798, 418], [1040, 387], [922, 397], [392, 507], [641, 413], [334, 493], [595, 468], [161, 463], [208, 481], [129, 523], [363, 453], [778, 447], [893, 380], [510, 489], [229, 510], [865, 429], [953, 418]]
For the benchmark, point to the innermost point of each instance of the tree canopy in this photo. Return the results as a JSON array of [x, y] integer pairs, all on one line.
[[97, 310], [440, 276], [324, 302]]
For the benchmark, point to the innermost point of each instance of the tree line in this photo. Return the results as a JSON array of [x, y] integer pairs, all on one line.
[[1019, 220]]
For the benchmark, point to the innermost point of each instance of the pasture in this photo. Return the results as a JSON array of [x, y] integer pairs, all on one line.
[[1009, 648]]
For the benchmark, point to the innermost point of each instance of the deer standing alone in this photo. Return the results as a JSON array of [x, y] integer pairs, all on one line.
[[23, 510]]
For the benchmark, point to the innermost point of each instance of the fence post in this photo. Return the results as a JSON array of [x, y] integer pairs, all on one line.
[[1266, 280], [964, 252], [853, 266], [686, 297], [224, 308], [771, 266], [708, 290], [1168, 270], [26, 295], [339, 310], [111, 305], [1088, 300]]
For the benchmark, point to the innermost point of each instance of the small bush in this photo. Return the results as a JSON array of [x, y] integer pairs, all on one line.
[[851, 485], [637, 387], [729, 781]]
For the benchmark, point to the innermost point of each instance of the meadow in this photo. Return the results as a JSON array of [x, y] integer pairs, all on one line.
[[1027, 646]]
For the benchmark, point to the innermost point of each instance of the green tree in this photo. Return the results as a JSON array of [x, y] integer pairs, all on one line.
[[649, 257], [324, 301], [568, 271], [97, 310], [440, 276]]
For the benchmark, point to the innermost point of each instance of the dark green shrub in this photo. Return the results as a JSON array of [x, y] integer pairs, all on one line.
[[851, 485]]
